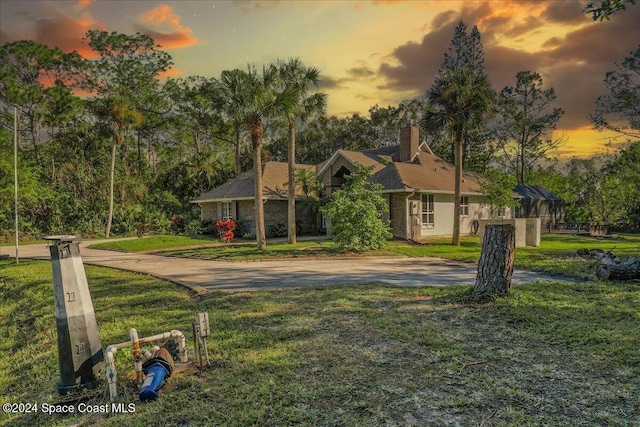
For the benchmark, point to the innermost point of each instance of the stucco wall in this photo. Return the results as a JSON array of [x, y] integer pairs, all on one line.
[[479, 209]]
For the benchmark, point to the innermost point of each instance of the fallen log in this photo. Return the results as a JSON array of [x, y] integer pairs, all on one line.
[[611, 267], [628, 269]]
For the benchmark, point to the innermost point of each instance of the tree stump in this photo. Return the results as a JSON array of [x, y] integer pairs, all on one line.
[[495, 267]]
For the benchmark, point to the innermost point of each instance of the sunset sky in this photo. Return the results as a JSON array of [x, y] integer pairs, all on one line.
[[369, 52]]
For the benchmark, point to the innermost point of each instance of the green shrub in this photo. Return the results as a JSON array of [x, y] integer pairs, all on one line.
[[355, 210], [194, 228], [278, 229]]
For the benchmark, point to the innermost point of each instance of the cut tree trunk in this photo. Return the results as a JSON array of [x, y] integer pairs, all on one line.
[[628, 269], [495, 267]]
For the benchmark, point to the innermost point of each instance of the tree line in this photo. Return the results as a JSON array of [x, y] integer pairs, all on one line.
[[107, 146]]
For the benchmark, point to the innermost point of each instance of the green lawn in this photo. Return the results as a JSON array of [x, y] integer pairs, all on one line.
[[556, 254], [157, 243], [367, 355]]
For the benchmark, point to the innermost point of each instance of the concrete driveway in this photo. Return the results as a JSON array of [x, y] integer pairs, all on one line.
[[229, 276]]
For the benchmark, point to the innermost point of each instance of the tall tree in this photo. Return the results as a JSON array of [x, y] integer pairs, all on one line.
[[457, 55], [619, 111], [124, 79], [34, 78], [385, 123], [465, 51], [624, 174], [264, 102], [297, 79], [525, 123], [233, 96], [459, 102]]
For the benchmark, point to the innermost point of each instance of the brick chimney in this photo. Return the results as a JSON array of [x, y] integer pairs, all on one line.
[[408, 142]]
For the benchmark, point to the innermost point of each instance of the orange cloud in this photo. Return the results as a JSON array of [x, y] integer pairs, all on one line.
[[83, 4], [386, 2], [66, 33], [171, 72], [174, 35]]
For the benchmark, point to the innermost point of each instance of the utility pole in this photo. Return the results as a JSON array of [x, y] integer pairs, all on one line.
[[15, 172]]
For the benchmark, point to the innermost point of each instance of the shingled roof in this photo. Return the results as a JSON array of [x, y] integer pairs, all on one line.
[[427, 172], [535, 192], [274, 179]]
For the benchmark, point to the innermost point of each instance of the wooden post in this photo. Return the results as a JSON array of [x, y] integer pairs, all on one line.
[[495, 267]]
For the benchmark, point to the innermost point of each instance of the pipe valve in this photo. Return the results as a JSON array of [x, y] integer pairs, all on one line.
[[156, 369]]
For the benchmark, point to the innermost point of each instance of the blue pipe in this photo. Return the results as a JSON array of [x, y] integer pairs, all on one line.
[[155, 378]]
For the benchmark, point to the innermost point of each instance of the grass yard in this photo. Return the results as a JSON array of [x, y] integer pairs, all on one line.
[[367, 355], [158, 243], [556, 254]]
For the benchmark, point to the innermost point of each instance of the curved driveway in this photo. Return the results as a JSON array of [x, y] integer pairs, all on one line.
[[211, 275]]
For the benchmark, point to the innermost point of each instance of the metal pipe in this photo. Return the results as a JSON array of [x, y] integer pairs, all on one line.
[[112, 373]]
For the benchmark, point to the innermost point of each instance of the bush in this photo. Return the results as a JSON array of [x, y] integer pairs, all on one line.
[[354, 213], [240, 227], [225, 229], [177, 224], [194, 228], [279, 229]]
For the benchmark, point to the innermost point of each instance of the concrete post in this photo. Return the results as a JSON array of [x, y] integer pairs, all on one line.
[[79, 348], [533, 231]]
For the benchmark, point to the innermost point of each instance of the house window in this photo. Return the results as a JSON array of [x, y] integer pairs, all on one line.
[[464, 206], [427, 210], [226, 210]]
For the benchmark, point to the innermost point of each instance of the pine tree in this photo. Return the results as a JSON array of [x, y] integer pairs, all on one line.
[[475, 53], [459, 104], [456, 57], [465, 52]]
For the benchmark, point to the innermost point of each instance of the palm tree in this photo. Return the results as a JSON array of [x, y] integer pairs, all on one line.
[[120, 117], [298, 79], [459, 101], [233, 98], [264, 102], [313, 189]]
